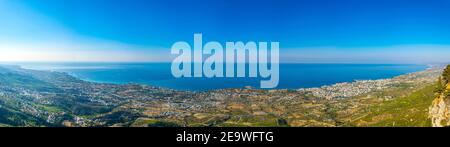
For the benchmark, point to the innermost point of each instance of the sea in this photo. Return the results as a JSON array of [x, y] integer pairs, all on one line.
[[292, 75]]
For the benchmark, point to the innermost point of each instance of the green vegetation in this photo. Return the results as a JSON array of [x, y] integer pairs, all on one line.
[[10, 117], [446, 74], [39, 98], [411, 110], [440, 86], [154, 123], [443, 82], [4, 125]]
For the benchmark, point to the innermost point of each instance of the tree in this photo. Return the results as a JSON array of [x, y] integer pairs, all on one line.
[[446, 74], [439, 86]]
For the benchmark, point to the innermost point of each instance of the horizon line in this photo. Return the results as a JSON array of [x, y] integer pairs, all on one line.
[[403, 63]]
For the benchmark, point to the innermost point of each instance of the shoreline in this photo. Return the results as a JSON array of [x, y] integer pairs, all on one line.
[[227, 106], [428, 67], [359, 87]]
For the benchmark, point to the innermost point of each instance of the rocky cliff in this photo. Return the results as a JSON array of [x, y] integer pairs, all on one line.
[[440, 108]]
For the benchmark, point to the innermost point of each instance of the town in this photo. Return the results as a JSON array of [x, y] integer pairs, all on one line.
[[45, 98]]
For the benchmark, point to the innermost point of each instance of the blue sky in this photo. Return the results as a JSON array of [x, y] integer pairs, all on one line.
[[350, 31]]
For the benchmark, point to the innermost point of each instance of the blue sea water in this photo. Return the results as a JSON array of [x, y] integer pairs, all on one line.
[[292, 76]]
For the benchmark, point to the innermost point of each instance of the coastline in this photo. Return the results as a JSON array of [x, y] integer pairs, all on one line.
[[146, 105], [359, 87], [292, 79]]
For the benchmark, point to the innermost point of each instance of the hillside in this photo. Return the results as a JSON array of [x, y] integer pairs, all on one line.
[[440, 108], [43, 98], [405, 111]]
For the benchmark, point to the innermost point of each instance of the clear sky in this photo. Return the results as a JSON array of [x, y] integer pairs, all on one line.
[[350, 31]]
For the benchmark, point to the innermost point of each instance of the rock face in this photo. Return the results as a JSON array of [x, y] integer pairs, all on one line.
[[439, 111]]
